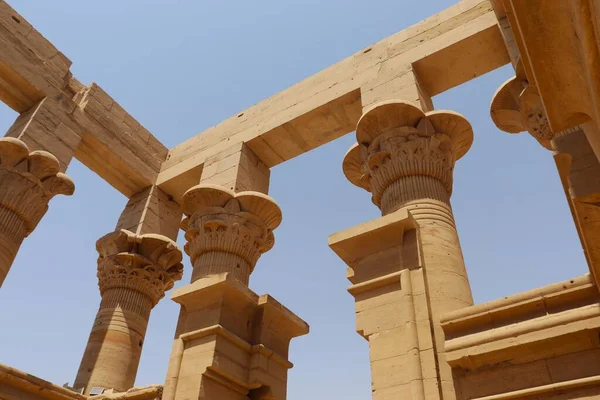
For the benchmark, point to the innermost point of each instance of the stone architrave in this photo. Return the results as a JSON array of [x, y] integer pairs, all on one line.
[[230, 343], [406, 158], [28, 181], [134, 272]]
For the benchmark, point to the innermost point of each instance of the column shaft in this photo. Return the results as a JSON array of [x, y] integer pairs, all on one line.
[[113, 351], [407, 268], [220, 262], [12, 233], [134, 271], [446, 274]]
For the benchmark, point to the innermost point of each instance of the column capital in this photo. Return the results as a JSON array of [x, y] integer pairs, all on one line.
[[517, 107], [397, 140], [29, 180], [149, 264], [221, 221]]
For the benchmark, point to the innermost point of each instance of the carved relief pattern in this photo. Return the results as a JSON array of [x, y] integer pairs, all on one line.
[[412, 144], [149, 264], [221, 221], [28, 181], [517, 107], [406, 152], [534, 117]]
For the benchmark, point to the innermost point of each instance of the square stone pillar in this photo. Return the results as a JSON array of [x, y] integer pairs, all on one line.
[[238, 169], [43, 127], [151, 211], [230, 342], [392, 306]]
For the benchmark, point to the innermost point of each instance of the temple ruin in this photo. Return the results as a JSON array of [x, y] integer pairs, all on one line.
[[414, 306]]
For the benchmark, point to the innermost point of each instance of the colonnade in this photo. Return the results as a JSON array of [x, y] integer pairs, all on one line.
[[406, 268]]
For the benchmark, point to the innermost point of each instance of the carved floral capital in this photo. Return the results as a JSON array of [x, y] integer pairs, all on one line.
[[219, 220], [517, 107], [397, 140], [149, 264], [29, 180]]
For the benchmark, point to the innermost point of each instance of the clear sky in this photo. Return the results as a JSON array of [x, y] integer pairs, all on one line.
[[182, 66]]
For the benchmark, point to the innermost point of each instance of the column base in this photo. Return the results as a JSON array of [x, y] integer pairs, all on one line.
[[229, 342]]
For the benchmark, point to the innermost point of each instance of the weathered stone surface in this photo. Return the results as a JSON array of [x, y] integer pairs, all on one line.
[[28, 181], [517, 107], [443, 51], [227, 232], [530, 345], [405, 158], [406, 267], [403, 153], [230, 343], [134, 272]]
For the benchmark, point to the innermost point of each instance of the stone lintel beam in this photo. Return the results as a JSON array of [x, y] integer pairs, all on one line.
[[115, 145], [558, 44], [328, 105], [28, 181], [31, 68], [559, 55], [230, 342], [134, 272], [106, 138]]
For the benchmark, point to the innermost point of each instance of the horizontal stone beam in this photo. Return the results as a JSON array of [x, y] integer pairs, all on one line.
[[31, 68], [445, 50], [109, 140]]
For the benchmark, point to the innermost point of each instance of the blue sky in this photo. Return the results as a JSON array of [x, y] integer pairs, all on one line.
[[182, 66]]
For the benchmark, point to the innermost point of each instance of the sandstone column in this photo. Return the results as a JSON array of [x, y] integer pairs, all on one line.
[[516, 107], [230, 343], [134, 271], [28, 181], [407, 268]]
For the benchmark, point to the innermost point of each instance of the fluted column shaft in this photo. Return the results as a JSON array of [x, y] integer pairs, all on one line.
[[220, 262], [445, 274], [12, 233], [134, 271], [429, 204]]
